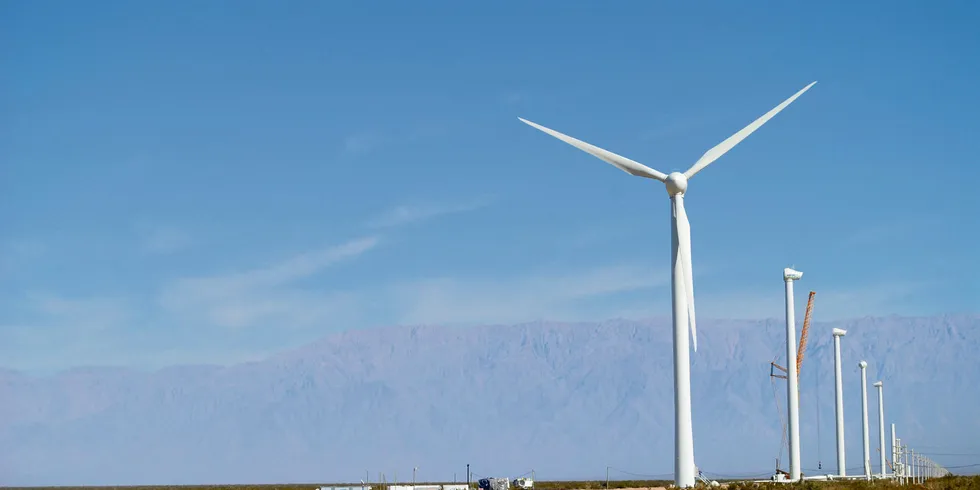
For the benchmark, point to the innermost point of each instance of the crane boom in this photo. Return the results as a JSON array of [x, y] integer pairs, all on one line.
[[806, 329]]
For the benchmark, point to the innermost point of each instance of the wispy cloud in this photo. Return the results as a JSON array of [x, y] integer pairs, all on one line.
[[262, 294], [50, 330], [15, 253], [878, 298], [540, 295], [278, 301], [89, 313], [369, 140], [882, 232], [273, 301], [267, 297], [412, 213], [272, 297], [680, 126], [514, 98], [162, 239], [361, 143]]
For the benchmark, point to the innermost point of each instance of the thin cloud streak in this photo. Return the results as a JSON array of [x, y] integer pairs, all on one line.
[[360, 143], [82, 314], [884, 298], [262, 294], [272, 300], [522, 298], [414, 213], [625, 290], [163, 239]]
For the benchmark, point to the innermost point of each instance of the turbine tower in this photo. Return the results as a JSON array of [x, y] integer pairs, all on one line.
[[895, 462], [881, 429], [839, 395], [864, 418], [682, 287], [792, 383]]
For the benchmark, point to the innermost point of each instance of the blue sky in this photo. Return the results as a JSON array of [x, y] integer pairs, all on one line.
[[211, 182]]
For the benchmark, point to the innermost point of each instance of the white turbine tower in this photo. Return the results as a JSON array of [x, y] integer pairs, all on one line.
[[864, 418], [895, 463], [792, 386], [682, 287], [839, 395], [881, 429]]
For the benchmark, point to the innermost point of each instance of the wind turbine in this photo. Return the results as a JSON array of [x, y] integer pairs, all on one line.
[[682, 287]]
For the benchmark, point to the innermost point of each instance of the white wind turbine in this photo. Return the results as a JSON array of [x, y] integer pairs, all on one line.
[[682, 287]]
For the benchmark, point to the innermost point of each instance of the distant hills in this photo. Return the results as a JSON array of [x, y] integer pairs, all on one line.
[[564, 399]]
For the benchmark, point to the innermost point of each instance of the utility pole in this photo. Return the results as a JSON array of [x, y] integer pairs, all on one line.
[[899, 465], [607, 477], [912, 466], [467, 475], [908, 468]]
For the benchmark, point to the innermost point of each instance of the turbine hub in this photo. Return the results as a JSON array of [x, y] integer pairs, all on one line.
[[676, 184]]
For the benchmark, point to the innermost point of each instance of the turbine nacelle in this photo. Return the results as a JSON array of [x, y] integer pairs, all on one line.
[[877, 384], [838, 332], [676, 183], [863, 364], [791, 275]]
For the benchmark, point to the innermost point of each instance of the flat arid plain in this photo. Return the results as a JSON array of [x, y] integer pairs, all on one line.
[[947, 483]]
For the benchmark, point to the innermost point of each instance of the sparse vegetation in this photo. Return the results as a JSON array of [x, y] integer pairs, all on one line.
[[947, 483], [590, 485]]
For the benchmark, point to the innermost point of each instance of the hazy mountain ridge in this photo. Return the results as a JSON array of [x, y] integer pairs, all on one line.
[[565, 399]]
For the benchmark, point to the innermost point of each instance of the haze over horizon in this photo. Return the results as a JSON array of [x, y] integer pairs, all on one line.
[[566, 399]]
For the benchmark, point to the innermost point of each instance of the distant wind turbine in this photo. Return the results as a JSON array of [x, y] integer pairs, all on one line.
[[682, 286]]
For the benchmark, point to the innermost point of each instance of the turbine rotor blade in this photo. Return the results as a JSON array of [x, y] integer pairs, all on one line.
[[723, 147], [684, 249], [625, 164]]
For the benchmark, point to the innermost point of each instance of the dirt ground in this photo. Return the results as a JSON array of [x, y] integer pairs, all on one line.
[[636, 488]]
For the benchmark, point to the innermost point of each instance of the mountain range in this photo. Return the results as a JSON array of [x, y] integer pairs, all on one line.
[[564, 399]]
